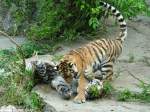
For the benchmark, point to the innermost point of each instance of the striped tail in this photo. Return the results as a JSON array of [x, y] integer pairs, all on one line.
[[120, 19]]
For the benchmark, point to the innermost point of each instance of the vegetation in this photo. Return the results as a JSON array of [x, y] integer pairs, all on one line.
[[17, 82], [96, 92], [64, 20], [93, 91], [124, 95], [144, 96], [131, 58], [108, 89]]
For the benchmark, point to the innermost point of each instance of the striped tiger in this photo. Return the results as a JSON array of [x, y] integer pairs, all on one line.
[[95, 56]]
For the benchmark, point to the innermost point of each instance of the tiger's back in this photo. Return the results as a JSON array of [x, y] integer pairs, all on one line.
[[95, 55]]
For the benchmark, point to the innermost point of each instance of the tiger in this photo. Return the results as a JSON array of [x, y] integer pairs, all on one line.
[[97, 56], [48, 74]]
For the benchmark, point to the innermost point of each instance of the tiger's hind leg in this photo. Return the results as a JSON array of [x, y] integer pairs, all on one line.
[[107, 71], [91, 74]]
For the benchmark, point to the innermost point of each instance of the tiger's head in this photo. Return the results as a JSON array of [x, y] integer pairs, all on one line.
[[68, 70]]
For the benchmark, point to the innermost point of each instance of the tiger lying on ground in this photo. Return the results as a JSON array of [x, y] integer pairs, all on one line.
[[96, 56], [47, 73]]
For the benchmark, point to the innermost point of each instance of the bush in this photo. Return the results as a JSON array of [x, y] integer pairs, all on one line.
[[59, 20], [17, 83], [143, 96]]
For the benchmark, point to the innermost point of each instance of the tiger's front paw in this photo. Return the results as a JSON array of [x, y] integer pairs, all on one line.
[[79, 99]]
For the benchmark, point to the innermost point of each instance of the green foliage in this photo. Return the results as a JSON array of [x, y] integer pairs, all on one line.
[[48, 23], [63, 20], [124, 95], [7, 56], [94, 91], [131, 58], [32, 100], [17, 83], [107, 89], [30, 48], [57, 57], [144, 96], [131, 8]]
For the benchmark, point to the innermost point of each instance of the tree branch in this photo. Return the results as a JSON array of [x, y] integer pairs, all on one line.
[[17, 45]]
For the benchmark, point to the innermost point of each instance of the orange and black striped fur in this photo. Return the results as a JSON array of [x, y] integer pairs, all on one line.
[[96, 56]]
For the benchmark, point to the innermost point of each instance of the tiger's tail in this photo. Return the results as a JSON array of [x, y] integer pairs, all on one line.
[[120, 19]]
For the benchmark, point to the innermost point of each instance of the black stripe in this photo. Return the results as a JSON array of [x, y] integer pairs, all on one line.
[[89, 50], [105, 42], [116, 48], [114, 10], [101, 3], [100, 45], [122, 35], [118, 14], [107, 65], [105, 4], [123, 30], [78, 53], [98, 49], [121, 20], [113, 49], [119, 47], [96, 55], [109, 7], [123, 25]]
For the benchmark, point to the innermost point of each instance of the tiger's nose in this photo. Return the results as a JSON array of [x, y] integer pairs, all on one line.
[[75, 74]]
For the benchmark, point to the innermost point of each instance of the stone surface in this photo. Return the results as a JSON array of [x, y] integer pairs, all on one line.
[[123, 78], [49, 108], [5, 42], [101, 105], [10, 108]]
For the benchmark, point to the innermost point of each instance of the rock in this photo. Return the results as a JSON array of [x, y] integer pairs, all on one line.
[[52, 98], [43, 58], [5, 42], [49, 108], [10, 108], [124, 80]]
